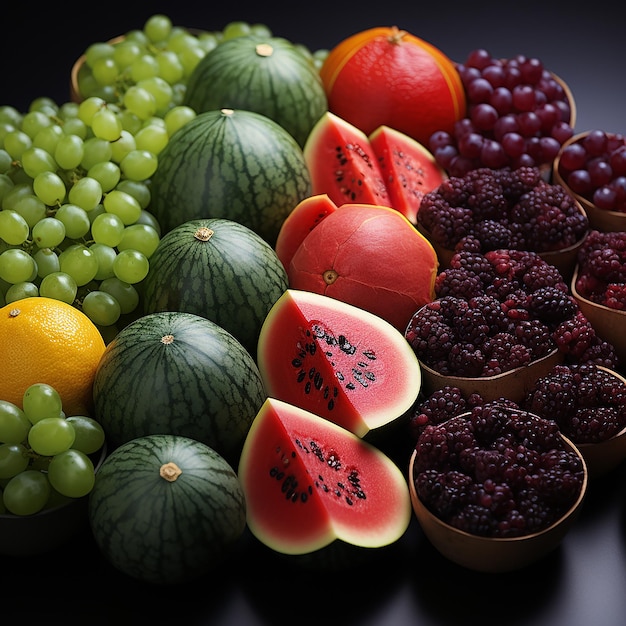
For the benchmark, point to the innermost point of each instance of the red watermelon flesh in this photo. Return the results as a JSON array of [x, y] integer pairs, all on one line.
[[308, 482], [388, 168], [307, 214], [337, 361], [409, 169], [342, 163], [371, 257]]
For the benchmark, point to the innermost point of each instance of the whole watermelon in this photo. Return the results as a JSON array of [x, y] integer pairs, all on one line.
[[173, 372], [219, 269], [269, 75], [166, 509], [234, 164]]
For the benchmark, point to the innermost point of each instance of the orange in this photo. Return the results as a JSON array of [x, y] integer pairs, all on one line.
[[386, 76], [43, 340]]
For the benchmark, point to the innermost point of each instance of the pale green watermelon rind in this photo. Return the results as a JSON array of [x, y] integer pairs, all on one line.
[[289, 527], [401, 387], [164, 532]]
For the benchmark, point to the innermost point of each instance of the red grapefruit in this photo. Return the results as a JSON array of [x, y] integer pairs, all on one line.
[[387, 76]]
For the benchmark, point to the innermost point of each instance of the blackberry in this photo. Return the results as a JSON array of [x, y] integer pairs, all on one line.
[[551, 304], [503, 353], [516, 182], [473, 262], [476, 520], [459, 283], [492, 233], [574, 335], [600, 352], [444, 493], [587, 403], [465, 359], [615, 296], [492, 312], [536, 336]]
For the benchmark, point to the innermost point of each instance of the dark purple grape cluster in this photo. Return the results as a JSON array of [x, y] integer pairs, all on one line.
[[502, 208], [518, 114], [587, 402], [594, 166], [601, 276], [497, 471], [501, 310]]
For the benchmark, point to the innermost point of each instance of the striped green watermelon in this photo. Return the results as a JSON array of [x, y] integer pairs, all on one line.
[[234, 164], [219, 269], [269, 75], [173, 372], [166, 509], [310, 483]]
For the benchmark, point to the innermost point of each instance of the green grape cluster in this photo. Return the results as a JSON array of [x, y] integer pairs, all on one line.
[[44, 455]]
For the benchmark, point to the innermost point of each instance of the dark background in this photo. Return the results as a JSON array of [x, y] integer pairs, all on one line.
[[583, 583]]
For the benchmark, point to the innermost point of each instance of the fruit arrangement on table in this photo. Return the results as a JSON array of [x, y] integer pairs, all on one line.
[[247, 291]]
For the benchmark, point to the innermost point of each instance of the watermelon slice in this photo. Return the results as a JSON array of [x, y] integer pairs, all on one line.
[[338, 361], [308, 482], [387, 168]]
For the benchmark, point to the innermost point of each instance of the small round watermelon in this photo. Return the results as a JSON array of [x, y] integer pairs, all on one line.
[[230, 163], [173, 372], [166, 509], [218, 269]]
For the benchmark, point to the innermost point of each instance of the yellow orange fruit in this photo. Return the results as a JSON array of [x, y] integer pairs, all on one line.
[[43, 340], [387, 76]]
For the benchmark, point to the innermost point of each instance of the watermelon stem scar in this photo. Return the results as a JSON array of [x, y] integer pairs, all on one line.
[[170, 471]]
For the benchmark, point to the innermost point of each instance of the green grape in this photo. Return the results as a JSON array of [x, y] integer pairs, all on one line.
[[130, 123], [48, 138], [32, 209], [170, 68], [107, 229], [26, 493], [140, 237], [88, 107], [69, 152], [14, 425], [36, 160], [14, 229], [130, 266], [75, 126], [190, 57], [5, 161], [139, 165], [49, 188], [152, 138], [177, 117], [101, 308], [33, 122], [96, 150], [98, 50], [138, 189], [144, 67], [107, 173], [75, 220], [79, 262], [72, 473], [106, 125], [17, 266], [125, 294], [124, 145], [20, 291], [16, 142], [41, 400], [10, 114], [140, 102], [160, 89], [15, 194], [60, 286], [105, 70], [90, 435], [48, 232], [234, 29], [122, 204], [6, 184], [51, 435], [13, 459], [47, 261], [86, 192], [157, 27], [125, 52], [44, 104], [105, 256]]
